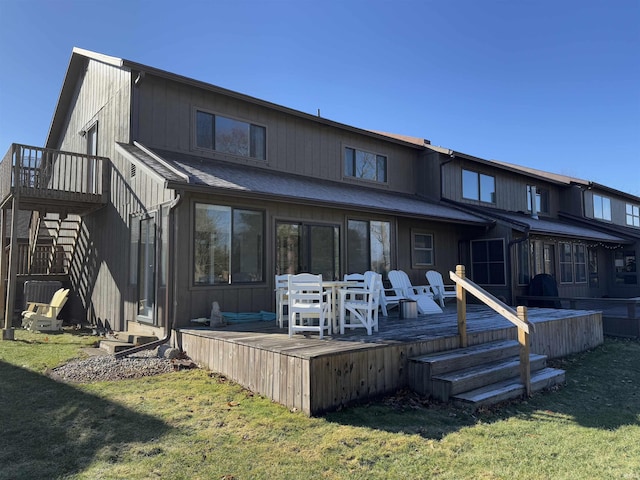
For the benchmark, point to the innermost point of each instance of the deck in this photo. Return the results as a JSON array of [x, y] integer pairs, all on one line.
[[316, 376]]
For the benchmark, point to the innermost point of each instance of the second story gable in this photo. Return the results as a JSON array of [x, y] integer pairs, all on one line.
[[610, 206], [185, 116], [496, 185]]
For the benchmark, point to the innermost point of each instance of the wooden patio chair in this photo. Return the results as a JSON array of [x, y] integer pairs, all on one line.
[[420, 293], [439, 289], [43, 317], [359, 306], [309, 305]]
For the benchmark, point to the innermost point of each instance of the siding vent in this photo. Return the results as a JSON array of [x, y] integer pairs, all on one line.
[[133, 170]]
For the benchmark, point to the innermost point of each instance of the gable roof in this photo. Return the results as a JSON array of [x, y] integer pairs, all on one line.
[[214, 176], [80, 57]]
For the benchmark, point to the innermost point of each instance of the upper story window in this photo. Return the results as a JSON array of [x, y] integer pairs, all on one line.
[[478, 186], [632, 215], [227, 135], [541, 198], [601, 207], [365, 165]]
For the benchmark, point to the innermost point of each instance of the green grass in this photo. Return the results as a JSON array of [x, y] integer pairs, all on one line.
[[197, 425]]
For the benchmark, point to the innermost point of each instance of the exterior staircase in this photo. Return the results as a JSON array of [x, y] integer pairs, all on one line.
[[480, 375]]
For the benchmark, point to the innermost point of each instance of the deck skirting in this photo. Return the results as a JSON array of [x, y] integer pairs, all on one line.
[[316, 376]]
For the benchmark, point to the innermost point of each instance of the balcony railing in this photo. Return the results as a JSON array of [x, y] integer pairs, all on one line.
[[38, 174]]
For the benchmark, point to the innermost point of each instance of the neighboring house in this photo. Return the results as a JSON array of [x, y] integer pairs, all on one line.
[[585, 235], [192, 194]]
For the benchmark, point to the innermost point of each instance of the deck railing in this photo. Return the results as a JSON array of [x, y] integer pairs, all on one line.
[[518, 317], [37, 171]]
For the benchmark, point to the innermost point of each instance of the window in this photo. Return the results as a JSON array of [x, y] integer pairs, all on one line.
[[478, 186], [632, 215], [487, 262], [625, 267], [368, 246], [566, 264], [227, 245], [227, 135], [422, 250], [524, 253], [365, 165], [580, 263], [601, 207], [542, 199], [303, 247]]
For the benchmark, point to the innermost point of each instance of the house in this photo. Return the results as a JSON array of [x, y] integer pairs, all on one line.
[[183, 193]]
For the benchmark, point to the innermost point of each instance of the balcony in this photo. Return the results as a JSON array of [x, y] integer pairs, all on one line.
[[48, 180]]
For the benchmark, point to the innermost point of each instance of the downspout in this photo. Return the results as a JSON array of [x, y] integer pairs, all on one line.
[[170, 294], [510, 269]]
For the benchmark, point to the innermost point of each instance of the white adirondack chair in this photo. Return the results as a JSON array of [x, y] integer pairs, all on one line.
[[359, 306], [439, 289], [420, 293]]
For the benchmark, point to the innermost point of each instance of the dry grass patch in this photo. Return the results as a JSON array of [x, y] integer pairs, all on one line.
[[194, 424]]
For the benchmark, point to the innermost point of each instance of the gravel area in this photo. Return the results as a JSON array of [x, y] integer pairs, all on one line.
[[106, 367]]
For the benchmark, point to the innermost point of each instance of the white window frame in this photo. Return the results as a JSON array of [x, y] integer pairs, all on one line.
[[632, 215], [414, 249]]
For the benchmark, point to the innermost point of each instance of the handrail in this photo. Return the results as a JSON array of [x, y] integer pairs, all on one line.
[[517, 317], [485, 297]]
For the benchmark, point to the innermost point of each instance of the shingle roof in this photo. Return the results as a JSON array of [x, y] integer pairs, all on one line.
[[564, 229], [259, 182]]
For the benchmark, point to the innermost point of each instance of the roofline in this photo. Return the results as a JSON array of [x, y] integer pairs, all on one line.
[[604, 227], [500, 165], [79, 55], [614, 191], [199, 188]]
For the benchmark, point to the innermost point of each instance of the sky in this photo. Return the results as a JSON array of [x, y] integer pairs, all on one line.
[[547, 84]]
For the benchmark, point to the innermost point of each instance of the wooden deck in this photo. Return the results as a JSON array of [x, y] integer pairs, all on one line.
[[315, 375]]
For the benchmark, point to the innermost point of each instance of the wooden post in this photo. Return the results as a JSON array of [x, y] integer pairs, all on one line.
[[461, 296], [523, 339], [7, 331]]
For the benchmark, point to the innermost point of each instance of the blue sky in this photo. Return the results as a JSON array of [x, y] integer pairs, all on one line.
[[553, 85]]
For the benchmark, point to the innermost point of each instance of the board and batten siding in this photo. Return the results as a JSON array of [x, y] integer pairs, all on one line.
[[295, 144], [511, 188], [195, 301], [98, 271]]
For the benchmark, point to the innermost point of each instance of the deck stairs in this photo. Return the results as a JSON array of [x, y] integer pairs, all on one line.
[[136, 334], [480, 375]]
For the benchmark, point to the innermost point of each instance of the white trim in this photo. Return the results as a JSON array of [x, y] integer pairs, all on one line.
[[161, 160]]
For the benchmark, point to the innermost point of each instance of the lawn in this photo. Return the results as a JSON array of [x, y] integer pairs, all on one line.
[[193, 424]]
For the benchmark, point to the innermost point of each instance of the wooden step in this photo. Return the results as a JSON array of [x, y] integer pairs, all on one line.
[[124, 341], [509, 389], [451, 383], [421, 369]]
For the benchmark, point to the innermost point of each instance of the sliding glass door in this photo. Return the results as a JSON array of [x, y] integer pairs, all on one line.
[[302, 247]]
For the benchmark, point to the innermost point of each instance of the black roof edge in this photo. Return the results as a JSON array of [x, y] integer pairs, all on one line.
[[629, 233]]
